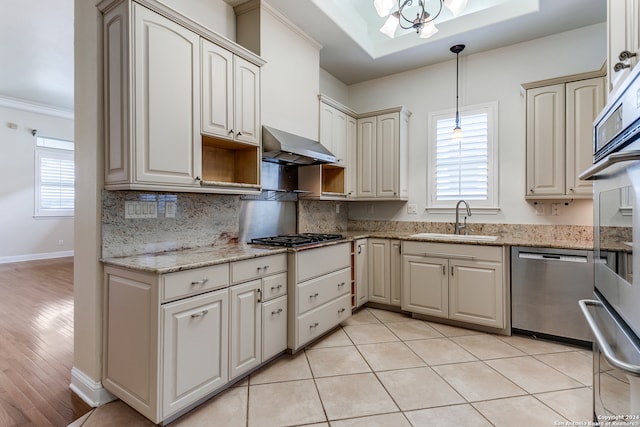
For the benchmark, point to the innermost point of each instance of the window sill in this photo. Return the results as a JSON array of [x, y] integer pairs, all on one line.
[[480, 210]]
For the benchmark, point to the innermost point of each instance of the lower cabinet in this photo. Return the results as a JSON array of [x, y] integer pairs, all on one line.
[[385, 274], [173, 339], [459, 282]]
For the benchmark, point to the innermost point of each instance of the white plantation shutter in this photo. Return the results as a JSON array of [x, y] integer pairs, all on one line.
[[55, 182], [463, 169]]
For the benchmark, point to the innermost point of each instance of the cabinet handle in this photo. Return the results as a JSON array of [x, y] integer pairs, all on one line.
[[278, 311], [197, 178], [625, 54], [620, 66], [314, 296], [314, 325], [359, 249], [259, 293], [199, 282], [276, 288], [263, 268], [452, 270], [342, 310], [340, 284], [444, 270], [202, 313]]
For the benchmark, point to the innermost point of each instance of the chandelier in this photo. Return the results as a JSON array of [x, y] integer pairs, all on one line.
[[423, 22]]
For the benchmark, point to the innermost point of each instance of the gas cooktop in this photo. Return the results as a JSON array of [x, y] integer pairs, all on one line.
[[292, 240]]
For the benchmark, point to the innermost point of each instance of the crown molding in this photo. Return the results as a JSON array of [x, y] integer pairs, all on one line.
[[32, 107]]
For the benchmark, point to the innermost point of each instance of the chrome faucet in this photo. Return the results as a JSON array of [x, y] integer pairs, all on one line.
[[459, 227]]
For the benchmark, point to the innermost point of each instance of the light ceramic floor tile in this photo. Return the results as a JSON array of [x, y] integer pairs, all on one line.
[[285, 403], [337, 338], [413, 329], [486, 346], [229, 408], [448, 416], [351, 396], [242, 383], [577, 364], [387, 316], [519, 411], [326, 362], [531, 345], [476, 381], [418, 388], [395, 419], [370, 334], [116, 413], [285, 368], [390, 355], [440, 351], [575, 404], [452, 331], [361, 317], [533, 375]]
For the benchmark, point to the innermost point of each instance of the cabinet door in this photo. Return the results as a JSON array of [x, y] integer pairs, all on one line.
[[339, 147], [475, 293], [352, 157], [247, 102], [361, 272], [217, 90], [379, 274], [166, 108], [545, 141], [425, 285], [395, 272], [584, 100], [245, 329], [274, 327], [366, 152], [327, 113], [195, 349], [622, 27], [387, 155]]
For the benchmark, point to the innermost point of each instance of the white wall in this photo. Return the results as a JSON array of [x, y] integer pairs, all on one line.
[[23, 237], [213, 14], [484, 77]]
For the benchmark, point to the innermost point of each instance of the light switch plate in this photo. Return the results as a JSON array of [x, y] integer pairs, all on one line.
[[412, 208], [170, 209], [135, 209]]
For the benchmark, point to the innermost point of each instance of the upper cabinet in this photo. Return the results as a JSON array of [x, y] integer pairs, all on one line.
[[559, 137], [230, 95], [382, 156], [623, 25], [181, 113]]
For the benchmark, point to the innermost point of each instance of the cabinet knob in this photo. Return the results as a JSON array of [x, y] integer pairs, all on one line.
[[625, 54], [531, 190], [620, 66], [230, 131], [571, 190], [198, 178], [239, 134]]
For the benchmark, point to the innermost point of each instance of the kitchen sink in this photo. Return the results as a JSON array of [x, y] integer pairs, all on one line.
[[459, 237]]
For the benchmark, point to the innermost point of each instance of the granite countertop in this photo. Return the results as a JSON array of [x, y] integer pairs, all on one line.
[[184, 259]]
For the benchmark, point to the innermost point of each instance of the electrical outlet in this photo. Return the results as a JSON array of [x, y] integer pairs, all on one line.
[[540, 209], [412, 208], [555, 209], [60, 242], [337, 208], [170, 210]]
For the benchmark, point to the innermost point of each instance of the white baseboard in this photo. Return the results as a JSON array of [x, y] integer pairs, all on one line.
[[89, 390], [33, 257]]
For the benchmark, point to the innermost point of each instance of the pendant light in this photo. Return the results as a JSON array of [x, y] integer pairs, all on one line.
[[457, 131], [423, 23]]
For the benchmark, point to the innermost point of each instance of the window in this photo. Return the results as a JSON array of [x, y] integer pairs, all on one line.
[[55, 178], [467, 168]]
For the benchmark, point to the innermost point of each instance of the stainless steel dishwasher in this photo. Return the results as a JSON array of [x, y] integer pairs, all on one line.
[[546, 285]]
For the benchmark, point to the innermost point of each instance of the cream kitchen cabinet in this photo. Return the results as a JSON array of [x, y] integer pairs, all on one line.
[[230, 95], [623, 40], [384, 271], [559, 137], [154, 74], [361, 272], [465, 283], [319, 292], [382, 156], [245, 349]]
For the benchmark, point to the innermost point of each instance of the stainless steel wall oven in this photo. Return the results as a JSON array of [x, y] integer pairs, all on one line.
[[614, 313]]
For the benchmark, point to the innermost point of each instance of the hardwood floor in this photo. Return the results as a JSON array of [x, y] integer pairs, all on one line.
[[36, 344]]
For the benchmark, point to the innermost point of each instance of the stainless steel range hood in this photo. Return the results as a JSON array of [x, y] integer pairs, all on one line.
[[286, 148]]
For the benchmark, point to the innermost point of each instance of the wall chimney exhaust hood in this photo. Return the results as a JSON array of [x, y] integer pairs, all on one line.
[[289, 149]]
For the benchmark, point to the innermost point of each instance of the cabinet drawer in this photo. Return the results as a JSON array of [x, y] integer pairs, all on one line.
[[274, 327], [192, 282], [274, 286], [243, 271], [320, 261], [317, 291], [453, 250], [316, 322]]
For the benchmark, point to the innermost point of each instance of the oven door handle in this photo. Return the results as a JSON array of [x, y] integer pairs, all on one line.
[[606, 349], [611, 159]]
